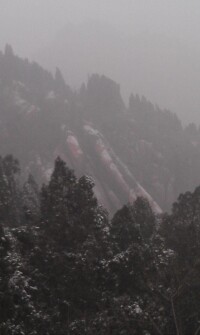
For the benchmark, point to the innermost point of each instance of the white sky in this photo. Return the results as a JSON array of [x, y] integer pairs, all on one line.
[[28, 24]]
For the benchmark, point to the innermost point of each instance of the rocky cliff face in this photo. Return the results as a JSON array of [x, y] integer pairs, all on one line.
[[128, 151], [92, 154]]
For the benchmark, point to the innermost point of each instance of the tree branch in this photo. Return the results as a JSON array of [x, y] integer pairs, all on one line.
[[197, 331], [174, 315]]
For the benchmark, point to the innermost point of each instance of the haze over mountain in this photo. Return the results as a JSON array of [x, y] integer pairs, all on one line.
[[159, 67], [64, 265], [149, 47], [99, 187], [129, 151]]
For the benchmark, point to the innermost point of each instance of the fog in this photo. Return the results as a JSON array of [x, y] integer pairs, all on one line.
[[99, 167], [150, 47]]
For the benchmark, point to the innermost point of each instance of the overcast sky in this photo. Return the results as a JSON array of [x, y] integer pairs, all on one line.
[[27, 24], [31, 25]]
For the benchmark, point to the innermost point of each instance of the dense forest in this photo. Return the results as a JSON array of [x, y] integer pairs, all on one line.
[[67, 269], [85, 244], [130, 151]]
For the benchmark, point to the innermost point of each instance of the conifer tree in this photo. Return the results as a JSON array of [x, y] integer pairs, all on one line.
[[57, 203], [31, 205], [60, 85], [5, 299], [10, 206], [181, 230]]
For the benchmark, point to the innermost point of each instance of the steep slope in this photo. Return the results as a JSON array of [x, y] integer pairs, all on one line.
[[139, 150]]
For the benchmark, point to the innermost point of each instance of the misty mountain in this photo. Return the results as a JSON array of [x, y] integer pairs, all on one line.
[[160, 67], [139, 150]]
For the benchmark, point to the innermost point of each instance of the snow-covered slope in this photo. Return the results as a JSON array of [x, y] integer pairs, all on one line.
[[131, 151]]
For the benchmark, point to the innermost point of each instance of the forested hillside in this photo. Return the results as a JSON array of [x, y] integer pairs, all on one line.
[[65, 268], [99, 167], [85, 245], [129, 151]]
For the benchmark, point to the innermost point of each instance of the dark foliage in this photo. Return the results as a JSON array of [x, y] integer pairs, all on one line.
[[66, 269]]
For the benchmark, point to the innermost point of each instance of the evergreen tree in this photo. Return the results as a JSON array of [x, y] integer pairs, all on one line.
[[72, 239], [181, 230], [5, 299], [31, 204], [57, 202], [138, 268], [60, 85], [71, 270], [10, 204]]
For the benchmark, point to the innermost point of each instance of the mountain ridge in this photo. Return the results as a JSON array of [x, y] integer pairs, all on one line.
[[128, 151]]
